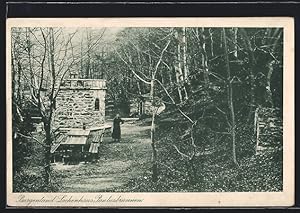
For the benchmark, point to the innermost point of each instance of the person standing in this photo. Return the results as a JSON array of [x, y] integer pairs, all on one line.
[[116, 133]]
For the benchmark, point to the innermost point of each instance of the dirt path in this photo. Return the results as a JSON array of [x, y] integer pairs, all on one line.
[[119, 162]]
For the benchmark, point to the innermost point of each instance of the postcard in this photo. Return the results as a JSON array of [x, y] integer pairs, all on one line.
[[150, 112]]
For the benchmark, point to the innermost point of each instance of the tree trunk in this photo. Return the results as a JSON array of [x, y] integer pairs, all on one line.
[[211, 42], [47, 113], [205, 61], [87, 71], [235, 41], [14, 75], [19, 98], [181, 68], [141, 101], [179, 74], [154, 151], [194, 170], [184, 63], [48, 143], [153, 145], [269, 98], [184, 55], [230, 101], [256, 129], [81, 60], [28, 46], [233, 123], [252, 62]]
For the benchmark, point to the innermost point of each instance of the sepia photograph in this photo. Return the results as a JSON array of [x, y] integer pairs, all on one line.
[[145, 112]]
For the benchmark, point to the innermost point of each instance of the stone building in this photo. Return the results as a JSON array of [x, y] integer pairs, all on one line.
[[80, 102]]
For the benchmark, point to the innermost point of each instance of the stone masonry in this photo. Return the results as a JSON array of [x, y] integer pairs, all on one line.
[[80, 101]]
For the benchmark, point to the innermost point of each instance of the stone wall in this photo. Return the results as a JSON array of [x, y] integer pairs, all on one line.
[[76, 104]]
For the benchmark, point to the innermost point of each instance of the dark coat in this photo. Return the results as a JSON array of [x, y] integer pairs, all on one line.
[[116, 134]]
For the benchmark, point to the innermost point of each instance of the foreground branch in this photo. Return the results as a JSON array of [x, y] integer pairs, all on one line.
[[33, 138]]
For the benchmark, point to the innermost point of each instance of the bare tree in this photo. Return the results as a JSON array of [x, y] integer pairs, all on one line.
[[156, 85], [50, 57], [181, 69], [230, 99], [150, 80], [89, 48]]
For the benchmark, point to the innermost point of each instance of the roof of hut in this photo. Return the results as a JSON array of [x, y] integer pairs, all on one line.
[[81, 137]]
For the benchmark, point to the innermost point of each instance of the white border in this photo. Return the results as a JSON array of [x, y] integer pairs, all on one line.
[[187, 199]]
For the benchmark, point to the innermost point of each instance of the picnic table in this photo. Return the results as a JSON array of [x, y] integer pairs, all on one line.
[[81, 142]]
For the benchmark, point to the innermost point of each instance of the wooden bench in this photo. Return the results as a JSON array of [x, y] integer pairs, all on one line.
[[96, 140]]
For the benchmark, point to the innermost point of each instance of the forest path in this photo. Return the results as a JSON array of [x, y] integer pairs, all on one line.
[[118, 162]]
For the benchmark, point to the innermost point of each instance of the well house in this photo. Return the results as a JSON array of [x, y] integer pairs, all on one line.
[[79, 117], [80, 102]]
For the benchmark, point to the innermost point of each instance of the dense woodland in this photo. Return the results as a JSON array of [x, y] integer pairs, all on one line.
[[218, 86]]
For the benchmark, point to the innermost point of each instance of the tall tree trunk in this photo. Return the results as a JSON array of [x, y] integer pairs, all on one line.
[[235, 41], [252, 62], [256, 129], [53, 74], [211, 42], [88, 64], [81, 60], [184, 63], [87, 71], [153, 145], [179, 67], [203, 58], [184, 55], [28, 46], [19, 91], [179, 74], [14, 76], [230, 100], [140, 100], [48, 112], [48, 142], [269, 98], [204, 61]]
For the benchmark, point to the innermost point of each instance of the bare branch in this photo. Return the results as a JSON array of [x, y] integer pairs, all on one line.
[[136, 75], [33, 138], [181, 153], [167, 93], [160, 58]]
